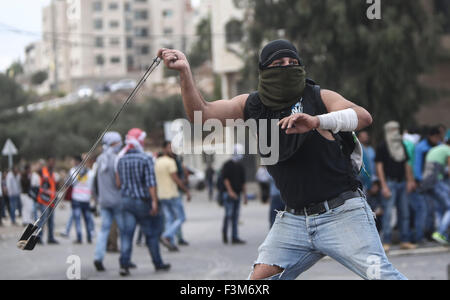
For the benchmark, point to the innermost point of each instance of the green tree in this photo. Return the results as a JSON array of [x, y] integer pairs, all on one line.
[[39, 77], [202, 49], [15, 69], [376, 63], [73, 129], [11, 94]]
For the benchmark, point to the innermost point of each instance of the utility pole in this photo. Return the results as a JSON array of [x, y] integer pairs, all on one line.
[[54, 47]]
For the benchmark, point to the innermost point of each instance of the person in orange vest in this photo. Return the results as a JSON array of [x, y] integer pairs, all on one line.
[[47, 192]]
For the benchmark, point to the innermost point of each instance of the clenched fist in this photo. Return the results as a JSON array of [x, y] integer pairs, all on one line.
[[174, 59]]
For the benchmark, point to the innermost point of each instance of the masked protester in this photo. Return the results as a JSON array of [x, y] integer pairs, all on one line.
[[396, 180], [316, 170], [108, 194], [136, 178]]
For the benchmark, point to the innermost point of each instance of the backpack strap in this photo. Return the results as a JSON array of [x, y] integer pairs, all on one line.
[[320, 106]]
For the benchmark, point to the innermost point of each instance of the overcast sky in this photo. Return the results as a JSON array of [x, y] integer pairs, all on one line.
[[25, 15]]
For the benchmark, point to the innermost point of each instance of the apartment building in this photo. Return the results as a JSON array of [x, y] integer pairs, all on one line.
[[56, 45], [92, 42], [99, 30], [171, 27], [36, 61]]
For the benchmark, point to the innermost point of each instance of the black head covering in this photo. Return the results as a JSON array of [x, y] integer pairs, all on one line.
[[276, 50]]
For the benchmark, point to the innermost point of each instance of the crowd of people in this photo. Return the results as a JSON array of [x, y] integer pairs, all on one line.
[[405, 173], [27, 193], [122, 183], [410, 173]]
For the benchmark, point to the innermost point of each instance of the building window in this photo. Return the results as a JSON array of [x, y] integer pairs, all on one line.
[[114, 41], [99, 60], [99, 42], [128, 25], [141, 15], [114, 24], [98, 24], [129, 43], [145, 50], [233, 30], [167, 13], [127, 6], [141, 32], [97, 6], [130, 63], [115, 60], [168, 30], [113, 6]]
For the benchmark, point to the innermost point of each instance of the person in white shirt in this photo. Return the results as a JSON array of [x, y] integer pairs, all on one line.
[[27, 201], [13, 187], [81, 197]]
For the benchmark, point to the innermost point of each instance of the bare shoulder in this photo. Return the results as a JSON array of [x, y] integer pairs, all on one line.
[[328, 95], [334, 101], [241, 100]]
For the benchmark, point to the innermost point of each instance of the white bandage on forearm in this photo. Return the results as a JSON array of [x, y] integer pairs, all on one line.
[[343, 120]]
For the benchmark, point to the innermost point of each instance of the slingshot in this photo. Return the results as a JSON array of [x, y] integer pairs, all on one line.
[[31, 233]]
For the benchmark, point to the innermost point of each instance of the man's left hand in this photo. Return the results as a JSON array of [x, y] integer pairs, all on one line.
[[154, 210], [188, 196], [411, 186], [299, 123]]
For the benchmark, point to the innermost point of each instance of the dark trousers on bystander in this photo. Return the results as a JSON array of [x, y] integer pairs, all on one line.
[[2, 210]]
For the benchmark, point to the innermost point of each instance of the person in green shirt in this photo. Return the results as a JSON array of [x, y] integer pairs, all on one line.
[[436, 186]]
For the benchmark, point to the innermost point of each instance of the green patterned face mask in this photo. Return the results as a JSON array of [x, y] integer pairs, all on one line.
[[281, 87]]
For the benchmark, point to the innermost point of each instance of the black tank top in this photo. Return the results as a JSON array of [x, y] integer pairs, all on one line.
[[310, 168]]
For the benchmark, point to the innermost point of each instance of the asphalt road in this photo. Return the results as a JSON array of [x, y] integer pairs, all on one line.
[[205, 258]]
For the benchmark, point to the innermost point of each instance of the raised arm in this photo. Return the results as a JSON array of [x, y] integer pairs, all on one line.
[[192, 99]]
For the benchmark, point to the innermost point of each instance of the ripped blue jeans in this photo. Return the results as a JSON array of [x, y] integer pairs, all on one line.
[[347, 234]]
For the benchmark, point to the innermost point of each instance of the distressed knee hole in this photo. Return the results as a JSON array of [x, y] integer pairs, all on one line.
[[262, 271]]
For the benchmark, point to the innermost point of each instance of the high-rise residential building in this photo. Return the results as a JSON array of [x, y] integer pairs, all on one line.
[[36, 61], [171, 27], [92, 42], [97, 30], [33, 54], [56, 44]]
